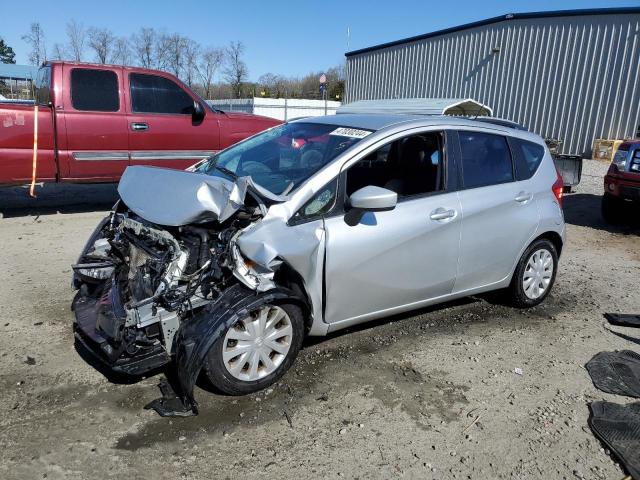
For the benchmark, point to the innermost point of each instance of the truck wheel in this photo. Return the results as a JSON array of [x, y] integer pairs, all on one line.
[[611, 208], [257, 350], [534, 276]]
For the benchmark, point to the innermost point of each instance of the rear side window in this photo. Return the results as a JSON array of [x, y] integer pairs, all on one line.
[[486, 159], [43, 86], [154, 94], [94, 90], [528, 157]]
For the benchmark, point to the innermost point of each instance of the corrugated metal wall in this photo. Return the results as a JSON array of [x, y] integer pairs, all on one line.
[[574, 78]]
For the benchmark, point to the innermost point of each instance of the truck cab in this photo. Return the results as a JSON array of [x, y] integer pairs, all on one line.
[[96, 120]]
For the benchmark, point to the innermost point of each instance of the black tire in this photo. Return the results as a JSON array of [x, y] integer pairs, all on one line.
[[611, 208], [223, 381], [516, 295]]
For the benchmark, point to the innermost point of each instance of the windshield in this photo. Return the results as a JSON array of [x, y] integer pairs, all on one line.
[[283, 157]]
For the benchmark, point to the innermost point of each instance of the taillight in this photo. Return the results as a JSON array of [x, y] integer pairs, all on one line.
[[558, 187]]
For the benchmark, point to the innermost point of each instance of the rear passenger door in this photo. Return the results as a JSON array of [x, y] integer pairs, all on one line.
[[161, 129], [499, 213]]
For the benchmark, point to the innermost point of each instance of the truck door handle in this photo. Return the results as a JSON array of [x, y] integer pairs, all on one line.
[[139, 126], [442, 214], [523, 197]]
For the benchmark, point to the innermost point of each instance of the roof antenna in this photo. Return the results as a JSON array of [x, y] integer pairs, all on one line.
[[479, 110]]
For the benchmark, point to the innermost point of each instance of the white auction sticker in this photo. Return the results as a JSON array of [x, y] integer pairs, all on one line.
[[350, 132]]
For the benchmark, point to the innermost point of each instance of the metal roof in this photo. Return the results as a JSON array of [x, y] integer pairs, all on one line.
[[20, 72], [418, 106], [501, 18]]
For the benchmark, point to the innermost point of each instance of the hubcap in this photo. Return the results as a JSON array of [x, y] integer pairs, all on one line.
[[257, 345], [537, 274]]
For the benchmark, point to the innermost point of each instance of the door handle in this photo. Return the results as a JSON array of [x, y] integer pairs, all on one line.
[[139, 126], [442, 214], [523, 197]]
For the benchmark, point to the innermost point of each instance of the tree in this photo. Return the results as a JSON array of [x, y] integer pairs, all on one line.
[[77, 38], [235, 71], [210, 60], [35, 38], [101, 41], [121, 52], [191, 55], [274, 85], [7, 54], [58, 52], [143, 45]]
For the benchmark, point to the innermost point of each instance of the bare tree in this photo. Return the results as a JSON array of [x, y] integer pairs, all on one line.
[[101, 41], [77, 38], [191, 56], [58, 52], [235, 71], [210, 60], [121, 52], [143, 45], [174, 48], [35, 38]]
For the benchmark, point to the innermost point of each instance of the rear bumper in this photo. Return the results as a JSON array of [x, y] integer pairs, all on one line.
[[93, 319]]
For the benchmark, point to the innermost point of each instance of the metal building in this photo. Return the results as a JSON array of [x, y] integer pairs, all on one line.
[[571, 75]]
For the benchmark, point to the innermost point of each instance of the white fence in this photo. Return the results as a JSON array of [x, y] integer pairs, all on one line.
[[278, 108]]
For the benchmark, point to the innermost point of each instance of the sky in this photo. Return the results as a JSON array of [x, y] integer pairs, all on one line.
[[285, 37]]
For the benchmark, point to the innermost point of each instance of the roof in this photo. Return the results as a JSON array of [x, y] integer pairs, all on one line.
[[418, 106], [11, 70], [501, 18]]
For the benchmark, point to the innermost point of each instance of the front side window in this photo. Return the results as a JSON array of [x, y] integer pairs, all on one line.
[[282, 158], [409, 166], [154, 94], [486, 159], [94, 90]]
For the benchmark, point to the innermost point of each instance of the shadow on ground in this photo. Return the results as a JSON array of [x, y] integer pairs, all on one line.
[[583, 209], [55, 198]]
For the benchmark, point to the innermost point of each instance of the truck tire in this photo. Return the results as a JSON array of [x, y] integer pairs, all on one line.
[[256, 351], [534, 276], [611, 208]]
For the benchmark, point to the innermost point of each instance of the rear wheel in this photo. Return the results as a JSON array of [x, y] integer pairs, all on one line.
[[535, 274], [257, 350], [612, 208]]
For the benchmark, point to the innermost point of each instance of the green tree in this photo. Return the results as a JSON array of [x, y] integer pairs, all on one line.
[[6, 53]]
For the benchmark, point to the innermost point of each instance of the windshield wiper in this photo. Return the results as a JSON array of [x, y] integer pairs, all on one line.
[[226, 171]]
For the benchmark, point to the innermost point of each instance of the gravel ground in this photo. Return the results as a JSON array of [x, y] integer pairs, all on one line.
[[432, 394]]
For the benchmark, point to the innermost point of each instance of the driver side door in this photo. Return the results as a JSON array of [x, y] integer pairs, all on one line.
[[397, 260]]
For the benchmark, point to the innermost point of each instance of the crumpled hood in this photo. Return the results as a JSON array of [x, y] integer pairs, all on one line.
[[178, 197]]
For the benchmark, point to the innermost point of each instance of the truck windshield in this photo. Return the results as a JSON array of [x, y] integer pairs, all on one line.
[[281, 158]]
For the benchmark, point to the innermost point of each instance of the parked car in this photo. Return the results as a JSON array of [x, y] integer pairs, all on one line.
[[96, 120], [310, 227], [622, 182]]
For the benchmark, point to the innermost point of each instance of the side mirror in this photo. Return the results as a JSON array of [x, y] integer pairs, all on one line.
[[197, 115], [373, 199]]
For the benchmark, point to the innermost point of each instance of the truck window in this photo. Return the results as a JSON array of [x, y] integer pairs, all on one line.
[[94, 90], [43, 86], [154, 94]]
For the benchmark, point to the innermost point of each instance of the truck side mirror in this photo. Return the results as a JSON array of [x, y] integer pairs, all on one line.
[[197, 115]]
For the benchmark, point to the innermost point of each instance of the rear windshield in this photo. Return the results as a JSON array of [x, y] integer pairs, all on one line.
[[282, 158]]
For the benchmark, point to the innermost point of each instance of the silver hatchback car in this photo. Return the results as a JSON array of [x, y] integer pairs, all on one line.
[[309, 227]]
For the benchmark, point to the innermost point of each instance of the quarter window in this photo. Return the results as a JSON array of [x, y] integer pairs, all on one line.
[[486, 159], [528, 157], [154, 94], [94, 90], [409, 166]]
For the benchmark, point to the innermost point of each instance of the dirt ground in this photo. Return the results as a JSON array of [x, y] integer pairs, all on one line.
[[432, 394]]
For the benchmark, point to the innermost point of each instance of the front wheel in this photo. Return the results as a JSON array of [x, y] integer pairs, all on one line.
[[535, 274], [257, 350]]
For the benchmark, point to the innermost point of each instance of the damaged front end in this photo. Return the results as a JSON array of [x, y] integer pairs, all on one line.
[[141, 282]]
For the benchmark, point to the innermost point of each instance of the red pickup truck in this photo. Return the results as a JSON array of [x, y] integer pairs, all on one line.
[[95, 120]]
